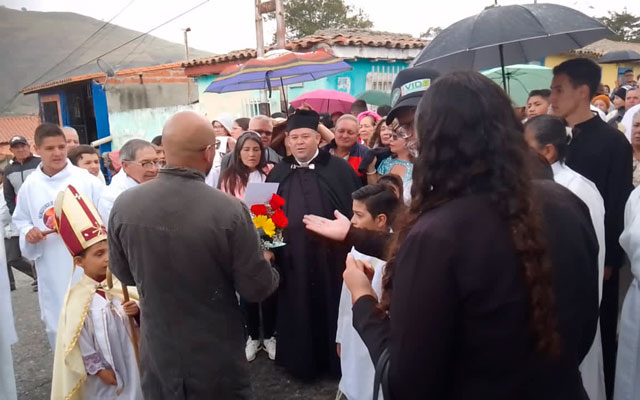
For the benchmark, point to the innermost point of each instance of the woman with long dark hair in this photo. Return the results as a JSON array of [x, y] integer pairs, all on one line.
[[247, 164], [467, 304]]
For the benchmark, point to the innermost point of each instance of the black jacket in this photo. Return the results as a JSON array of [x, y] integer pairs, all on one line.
[[459, 325], [603, 155], [15, 174]]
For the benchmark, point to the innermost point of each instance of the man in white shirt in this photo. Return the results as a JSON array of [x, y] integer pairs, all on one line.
[[34, 217], [140, 163]]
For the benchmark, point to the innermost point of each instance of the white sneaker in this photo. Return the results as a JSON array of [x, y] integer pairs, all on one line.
[[253, 346], [270, 347]]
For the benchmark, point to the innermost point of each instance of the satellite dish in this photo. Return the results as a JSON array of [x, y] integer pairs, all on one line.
[[106, 68]]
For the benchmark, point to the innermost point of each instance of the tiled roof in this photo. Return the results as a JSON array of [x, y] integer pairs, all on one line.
[[603, 46], [86, 77], [327, 37], [23, 126]]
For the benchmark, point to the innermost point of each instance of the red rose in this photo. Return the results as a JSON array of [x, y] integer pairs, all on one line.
[[276, 202], [279, 219], [259, 209]]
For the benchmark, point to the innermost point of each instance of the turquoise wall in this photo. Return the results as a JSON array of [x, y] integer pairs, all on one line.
[[357, 76]]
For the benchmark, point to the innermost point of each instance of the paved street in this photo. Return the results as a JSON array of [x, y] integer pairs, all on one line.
[[33, 359]]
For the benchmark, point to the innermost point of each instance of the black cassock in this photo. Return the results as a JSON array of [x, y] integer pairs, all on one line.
[[311, 266]]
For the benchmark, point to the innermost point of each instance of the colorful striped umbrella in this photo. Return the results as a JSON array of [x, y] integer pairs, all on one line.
[[277, 68]]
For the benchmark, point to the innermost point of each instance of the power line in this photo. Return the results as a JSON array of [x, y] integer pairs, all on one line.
[[4, 106], [82, 44], [134, 39]]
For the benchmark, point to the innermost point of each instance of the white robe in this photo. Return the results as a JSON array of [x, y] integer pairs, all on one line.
[[627, 383], [7, 329], [105, 336], [627, 120], [591, 367], [357, 368], [120, 182], [54, 264]]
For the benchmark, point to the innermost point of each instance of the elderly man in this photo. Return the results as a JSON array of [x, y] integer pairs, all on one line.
[[632, 98], [264, 126], [22, 165], [312, 181], [189, 248], [71, 135], [140, 164], [345, 145]]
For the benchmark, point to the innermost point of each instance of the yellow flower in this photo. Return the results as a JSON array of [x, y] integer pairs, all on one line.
[[267, 225]]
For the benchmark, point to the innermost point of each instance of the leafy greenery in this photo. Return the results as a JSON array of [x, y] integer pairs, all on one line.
[[625, 25], [304, 17], [431, 33]]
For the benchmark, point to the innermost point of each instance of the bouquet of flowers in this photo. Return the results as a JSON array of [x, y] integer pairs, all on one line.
[[270, 221]]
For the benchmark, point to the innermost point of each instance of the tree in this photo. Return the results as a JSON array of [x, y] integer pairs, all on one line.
[[304, 17], [431, 33], [625, 25]]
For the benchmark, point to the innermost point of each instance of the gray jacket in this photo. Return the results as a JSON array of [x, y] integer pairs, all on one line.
[[189, 248]]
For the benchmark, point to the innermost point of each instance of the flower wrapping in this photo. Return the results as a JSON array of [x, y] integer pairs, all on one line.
[[270, 221]]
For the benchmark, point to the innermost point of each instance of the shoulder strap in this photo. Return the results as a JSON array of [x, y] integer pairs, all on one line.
[[381, 377]]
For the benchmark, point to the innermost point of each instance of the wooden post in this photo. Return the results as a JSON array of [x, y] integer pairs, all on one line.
[[280, 43], [263, 107]]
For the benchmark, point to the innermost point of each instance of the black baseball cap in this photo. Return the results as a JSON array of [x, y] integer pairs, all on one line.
[[18, 140], [408, 88]]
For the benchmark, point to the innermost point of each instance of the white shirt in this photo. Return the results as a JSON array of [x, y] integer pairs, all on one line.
[[357, 368], [120, 182], [7, 329], [627, 383], [54, 264], [592, 365]]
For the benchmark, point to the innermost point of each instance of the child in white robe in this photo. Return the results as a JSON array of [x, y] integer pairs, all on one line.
[[94, 357], [374, 208]]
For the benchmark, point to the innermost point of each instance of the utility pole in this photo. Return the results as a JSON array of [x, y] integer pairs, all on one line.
[[268, 7], [186, 43], [280, 39], [186, 54], [264, 106]]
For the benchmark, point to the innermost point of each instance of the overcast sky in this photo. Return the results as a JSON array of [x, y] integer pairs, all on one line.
[[220, 26]]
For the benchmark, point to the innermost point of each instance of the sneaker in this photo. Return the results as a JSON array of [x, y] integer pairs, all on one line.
[[270, 347], [253, 346]]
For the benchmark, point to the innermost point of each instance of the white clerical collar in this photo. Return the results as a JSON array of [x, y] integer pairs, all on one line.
[[557, 167], [306, 164]]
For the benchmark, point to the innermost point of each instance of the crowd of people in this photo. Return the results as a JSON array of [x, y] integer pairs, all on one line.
[[442, 247]]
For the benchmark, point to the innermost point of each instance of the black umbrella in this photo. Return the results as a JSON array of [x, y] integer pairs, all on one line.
[[620, 56], [505, 35]]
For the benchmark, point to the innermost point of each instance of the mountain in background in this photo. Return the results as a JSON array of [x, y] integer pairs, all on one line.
[[32, 42]]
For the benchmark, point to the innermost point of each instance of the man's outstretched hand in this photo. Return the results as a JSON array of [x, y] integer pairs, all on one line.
[[336, 229]]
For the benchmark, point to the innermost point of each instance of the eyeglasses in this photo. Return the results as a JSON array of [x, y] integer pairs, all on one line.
[[401, 132], [263, 132], [218, 126], [148, 164]]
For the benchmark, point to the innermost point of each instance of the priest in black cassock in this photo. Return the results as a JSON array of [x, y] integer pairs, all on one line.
[[603, 155], [312, 181]]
